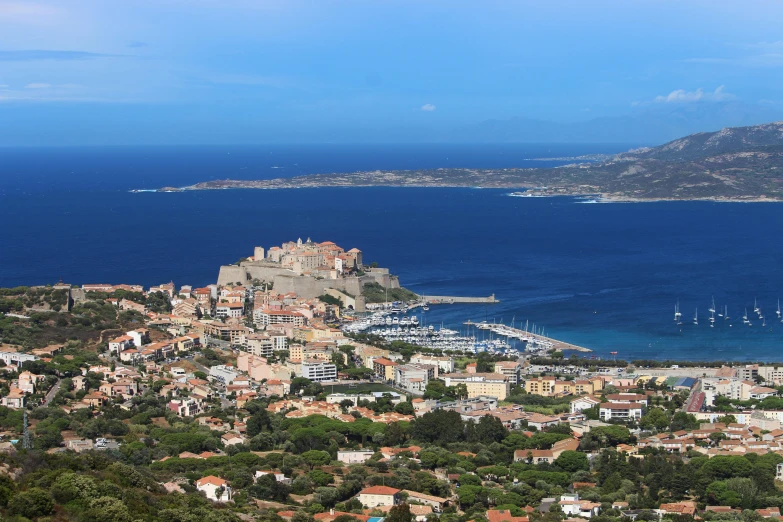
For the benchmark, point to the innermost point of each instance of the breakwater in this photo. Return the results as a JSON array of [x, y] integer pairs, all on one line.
[[446, 299], [548, 343]]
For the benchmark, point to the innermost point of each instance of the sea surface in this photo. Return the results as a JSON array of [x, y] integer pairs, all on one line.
[[605, 276]]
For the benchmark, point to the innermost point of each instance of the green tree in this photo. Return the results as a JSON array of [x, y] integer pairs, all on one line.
[[399, 513], [33, 503], [654, 418], [404, 408], [439, 426], [316, 458], [573, 461], [683, 421], [107, 508], [488, 429]]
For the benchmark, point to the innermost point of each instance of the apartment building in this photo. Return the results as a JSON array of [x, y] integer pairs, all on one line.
[[478, 384], [267, 316], [414, 377], [232, 310], [384, 368], [319, 371], [620, 410], [444, 364], [510, 369], [259, 344]]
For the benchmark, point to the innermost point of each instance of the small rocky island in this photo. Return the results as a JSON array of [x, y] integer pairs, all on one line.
[[733, 164]]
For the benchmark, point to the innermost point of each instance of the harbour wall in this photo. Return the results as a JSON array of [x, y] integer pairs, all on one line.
[[446, 299]]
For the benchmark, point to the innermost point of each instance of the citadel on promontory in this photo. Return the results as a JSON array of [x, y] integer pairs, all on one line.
[[309, 269]]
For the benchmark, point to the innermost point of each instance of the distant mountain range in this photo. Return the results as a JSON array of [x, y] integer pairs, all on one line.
[[649, 125], [733, 164]]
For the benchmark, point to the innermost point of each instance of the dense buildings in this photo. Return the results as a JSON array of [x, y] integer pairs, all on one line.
[[199, 389]]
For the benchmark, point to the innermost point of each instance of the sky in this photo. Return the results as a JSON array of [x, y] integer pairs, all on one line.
[[244, 71]]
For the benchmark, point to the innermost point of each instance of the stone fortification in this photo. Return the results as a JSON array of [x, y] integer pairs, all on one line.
[[285, 280]]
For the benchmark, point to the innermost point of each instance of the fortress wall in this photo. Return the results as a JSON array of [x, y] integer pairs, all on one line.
[[231, 274], [286, 281]]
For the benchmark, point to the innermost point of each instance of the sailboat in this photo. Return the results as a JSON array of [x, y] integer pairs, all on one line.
[[712, 319], [726, 313], [745, 317], [712, 308], [677, 313], [696, 317], [756, 307], [778, 311]]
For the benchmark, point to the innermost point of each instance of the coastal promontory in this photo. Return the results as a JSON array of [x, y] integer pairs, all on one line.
[[733, 164]]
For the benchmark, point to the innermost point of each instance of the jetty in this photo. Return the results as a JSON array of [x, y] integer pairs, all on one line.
[[446, 299], [529, 337]]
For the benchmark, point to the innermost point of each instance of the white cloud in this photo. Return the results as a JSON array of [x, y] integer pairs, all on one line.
[[428, 107], [683, 96], [37, 86]]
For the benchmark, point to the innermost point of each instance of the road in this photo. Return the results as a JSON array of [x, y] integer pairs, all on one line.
[[695, 400], [224, 403], [52, 392]]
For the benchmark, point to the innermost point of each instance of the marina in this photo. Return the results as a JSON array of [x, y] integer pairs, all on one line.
[[391, 323], [531, 339]]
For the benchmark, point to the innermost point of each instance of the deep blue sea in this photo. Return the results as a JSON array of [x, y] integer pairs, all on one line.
[[606, 276]]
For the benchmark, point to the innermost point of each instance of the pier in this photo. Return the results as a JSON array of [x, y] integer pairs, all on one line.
[[446, 299], [532, 338]]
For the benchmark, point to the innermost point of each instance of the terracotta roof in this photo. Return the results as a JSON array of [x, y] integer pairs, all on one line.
[[211, 479], [620, 406], [379, 490]]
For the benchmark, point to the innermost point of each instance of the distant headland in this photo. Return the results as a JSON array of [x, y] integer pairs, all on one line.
[[733, 164]]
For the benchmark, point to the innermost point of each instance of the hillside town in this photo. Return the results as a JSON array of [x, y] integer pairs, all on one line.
[[261, 405]]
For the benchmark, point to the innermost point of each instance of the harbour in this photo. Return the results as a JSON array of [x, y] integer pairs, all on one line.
[[530, 338]]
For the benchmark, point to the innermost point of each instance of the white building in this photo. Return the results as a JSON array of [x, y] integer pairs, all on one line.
[[215, 488], [233, 310], [225, 375], [319, 371], [16, 358], [138, 336], [444, 364], [572, 506], [266, 317], [379, 496], [121, 343], [620, 410], [583, 403], [279, 477], [354, 456], [279, 340], [184, 407], [414, 377]]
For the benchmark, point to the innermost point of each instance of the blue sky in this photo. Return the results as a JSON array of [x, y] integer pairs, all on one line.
[[184, 71]]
